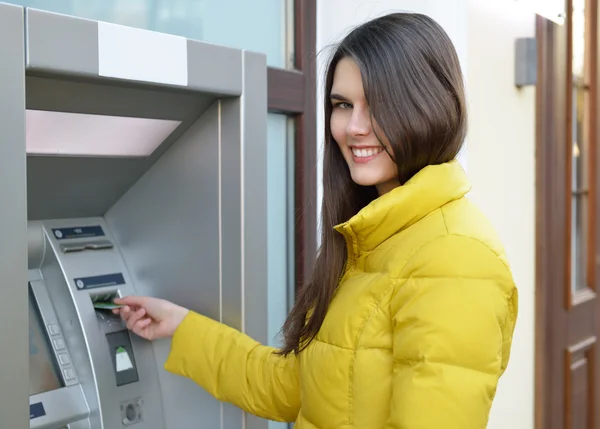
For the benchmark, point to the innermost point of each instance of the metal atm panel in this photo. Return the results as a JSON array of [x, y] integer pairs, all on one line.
[[121, 366], [185, 220], [13, 217]]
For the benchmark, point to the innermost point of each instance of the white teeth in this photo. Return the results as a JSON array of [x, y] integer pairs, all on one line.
[[365, 153]]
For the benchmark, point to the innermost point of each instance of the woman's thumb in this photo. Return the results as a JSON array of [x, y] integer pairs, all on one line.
[[132, 301]]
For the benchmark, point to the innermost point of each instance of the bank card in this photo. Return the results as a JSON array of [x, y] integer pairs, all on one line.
[[102, 305]]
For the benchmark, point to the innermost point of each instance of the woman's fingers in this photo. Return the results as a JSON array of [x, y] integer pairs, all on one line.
[[134, 317], [141, 328], [125, 312], [143, 323]]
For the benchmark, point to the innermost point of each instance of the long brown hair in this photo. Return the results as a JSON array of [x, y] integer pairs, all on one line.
[[414, 88]]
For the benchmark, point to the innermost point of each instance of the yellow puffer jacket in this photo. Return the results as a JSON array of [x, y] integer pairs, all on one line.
[[416, 337]]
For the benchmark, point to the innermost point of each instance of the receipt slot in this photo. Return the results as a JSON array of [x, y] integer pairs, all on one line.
[[133, 162]]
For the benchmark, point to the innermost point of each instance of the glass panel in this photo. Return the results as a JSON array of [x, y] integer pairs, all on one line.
[[78, 134], [580, 148], [280, 188], [258, 25], [278, 146], [291, 212], [290, 34]]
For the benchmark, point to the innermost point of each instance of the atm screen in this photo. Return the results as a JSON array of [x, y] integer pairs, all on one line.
[[43, 375]]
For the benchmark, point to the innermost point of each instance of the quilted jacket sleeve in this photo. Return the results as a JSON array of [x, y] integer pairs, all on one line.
[[453, 314], [236, 369]]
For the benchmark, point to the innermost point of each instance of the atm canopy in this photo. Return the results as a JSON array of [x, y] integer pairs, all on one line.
[[101, 108]]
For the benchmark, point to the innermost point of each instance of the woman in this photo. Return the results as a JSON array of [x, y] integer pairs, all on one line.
[[407, 321]]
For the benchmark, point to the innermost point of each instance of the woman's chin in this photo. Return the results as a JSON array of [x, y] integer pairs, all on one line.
[[382, 184], [365, 180]]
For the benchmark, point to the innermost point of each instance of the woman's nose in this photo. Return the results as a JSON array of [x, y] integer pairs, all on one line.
[[360, 123]]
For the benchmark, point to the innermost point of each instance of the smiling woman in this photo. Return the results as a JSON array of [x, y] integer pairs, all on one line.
[[394, 83]]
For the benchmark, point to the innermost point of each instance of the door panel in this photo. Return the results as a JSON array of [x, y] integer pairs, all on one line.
[[568, 204], [579, 386]]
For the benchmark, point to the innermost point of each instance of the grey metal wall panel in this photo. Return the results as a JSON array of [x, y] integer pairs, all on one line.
[[254, 149], [214, 68], [61, 43], [114, 98], [231, 210], [167, 226], [61, 187], [14, 371], [231, 243]]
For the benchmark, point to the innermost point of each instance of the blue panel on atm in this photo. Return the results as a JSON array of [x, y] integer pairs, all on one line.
[[36, 410], [99, 281], [78, 232]]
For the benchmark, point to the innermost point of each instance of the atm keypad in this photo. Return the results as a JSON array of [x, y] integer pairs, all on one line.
[[54, 329], [69, 374]]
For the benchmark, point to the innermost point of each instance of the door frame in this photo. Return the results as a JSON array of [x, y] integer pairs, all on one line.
[[293, 92], [556, 354]]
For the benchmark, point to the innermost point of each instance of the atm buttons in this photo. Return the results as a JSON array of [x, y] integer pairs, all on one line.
[[69, 374], [131, 411], [54, 329], [64, 359], [59, 344]]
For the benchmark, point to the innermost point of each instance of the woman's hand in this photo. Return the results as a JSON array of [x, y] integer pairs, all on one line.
[[150, 318]]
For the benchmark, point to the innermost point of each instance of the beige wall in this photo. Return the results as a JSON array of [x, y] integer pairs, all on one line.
[[501, 164]]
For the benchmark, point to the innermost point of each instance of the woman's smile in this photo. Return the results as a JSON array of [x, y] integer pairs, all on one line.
[[365, 154]]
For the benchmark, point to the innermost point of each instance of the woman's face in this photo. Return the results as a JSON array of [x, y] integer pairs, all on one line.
[[351, 128]]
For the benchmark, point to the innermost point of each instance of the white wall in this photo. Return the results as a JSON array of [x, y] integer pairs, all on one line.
[[502, 169], [499, 154]]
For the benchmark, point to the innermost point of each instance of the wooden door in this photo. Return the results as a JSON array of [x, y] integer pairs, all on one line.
[[567, 236]]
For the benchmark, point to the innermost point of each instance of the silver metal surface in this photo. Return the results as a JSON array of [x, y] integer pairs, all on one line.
[[254, 206], [97, 324], [66, 186], [14, 371], [73, 332], [49, 319], [62, 406], [167, 228], [52, 47], [187, 223], [213, 68], [36, 245]]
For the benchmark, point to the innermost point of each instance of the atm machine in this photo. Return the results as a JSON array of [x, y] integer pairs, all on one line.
[[133, 162]]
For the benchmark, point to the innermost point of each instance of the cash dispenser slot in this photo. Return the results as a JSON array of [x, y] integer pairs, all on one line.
[[104, 300], [86, 245], [103, 304]]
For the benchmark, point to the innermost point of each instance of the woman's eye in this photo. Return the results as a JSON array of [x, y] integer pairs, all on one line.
[[343, 105]]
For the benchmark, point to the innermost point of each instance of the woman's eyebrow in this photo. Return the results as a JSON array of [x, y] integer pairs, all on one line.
[[339, 97]]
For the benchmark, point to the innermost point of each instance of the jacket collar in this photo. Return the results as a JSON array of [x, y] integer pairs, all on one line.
[[428, 190]]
